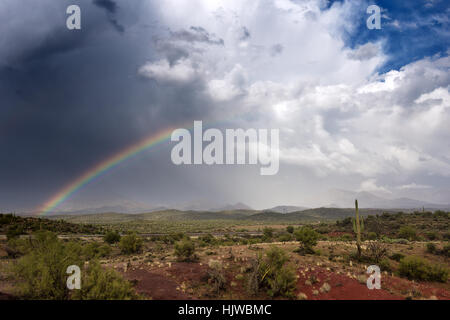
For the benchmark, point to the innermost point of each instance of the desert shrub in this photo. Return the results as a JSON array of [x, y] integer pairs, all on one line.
[[375, 252], [267, 233], [96, 250], [112, 237], [346, 237], [177, 236], [344, 222], [416, 268], [14, 231], [440, 213], [185, 250], [41, 272], [290, 229], [446, 236], [407, 232], [216, 276], [308, 239], [207, 239], [431, 247], [272, 273], [385, 265], [445, 251], [372, 236], [103, 284], [397, 257], [6, 218], [431, 235], [400, 241], [130, 243], [282, 283], [285, 237]]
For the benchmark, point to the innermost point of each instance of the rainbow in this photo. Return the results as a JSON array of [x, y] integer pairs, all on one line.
[[102, 167]]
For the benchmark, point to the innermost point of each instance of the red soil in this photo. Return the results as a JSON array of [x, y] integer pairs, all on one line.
[[342, 287], [425, 290], [154, 285], [189, 272]]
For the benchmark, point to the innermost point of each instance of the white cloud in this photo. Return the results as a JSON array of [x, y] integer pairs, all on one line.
[[182, 71], [414, 186], [371, 186], [340, 118]]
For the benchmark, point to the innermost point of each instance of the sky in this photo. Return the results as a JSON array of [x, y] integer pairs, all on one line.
[[357, 109]]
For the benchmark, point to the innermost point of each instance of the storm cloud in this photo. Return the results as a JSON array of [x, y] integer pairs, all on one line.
[[354, 111]]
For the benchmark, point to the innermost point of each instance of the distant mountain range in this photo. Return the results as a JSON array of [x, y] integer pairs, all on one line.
[[285, 209], [345, 199], [334, 198]]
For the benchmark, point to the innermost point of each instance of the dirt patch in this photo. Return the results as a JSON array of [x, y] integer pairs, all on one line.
[[188, 272], [416, 290], [155, 286], [342, 287]]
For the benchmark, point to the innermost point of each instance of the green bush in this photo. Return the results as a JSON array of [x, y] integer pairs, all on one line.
[[431, 235], [41, 272], [267, 233], [130, 243], [290, 229], [208, 239], [416, 268], [372, 236], [14, 231], [95, 250], [216, 276], [285, 237], [397, 257], [185, 250], [346, 237], [385, 265], [431, 248], [308, 239], [407, 232], [272, 273], [376, 251], [100, 284], [445, 251], [112, 237]]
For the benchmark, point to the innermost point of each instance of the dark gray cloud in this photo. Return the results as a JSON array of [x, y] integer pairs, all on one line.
[[108, 5], [111, 9]]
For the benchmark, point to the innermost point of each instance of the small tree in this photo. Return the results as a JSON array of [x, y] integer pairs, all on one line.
[[112, 237], [290, 229], [130, 243], [308, 239]]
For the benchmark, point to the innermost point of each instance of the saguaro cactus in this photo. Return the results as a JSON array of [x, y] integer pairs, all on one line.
[[358, 227]]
